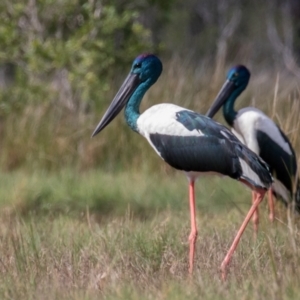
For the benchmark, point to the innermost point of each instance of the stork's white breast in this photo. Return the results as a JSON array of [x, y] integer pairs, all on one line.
[[161, 119]]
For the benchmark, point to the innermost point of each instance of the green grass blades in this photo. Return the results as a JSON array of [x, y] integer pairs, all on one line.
[[94, 235]]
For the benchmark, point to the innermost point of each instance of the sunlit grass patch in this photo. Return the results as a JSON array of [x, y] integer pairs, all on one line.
[[142, 194]]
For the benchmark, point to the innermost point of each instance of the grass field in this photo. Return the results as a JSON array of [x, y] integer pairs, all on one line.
[[94, 235]]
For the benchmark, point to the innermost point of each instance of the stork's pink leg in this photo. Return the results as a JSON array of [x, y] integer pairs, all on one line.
[[259, 198], [271, 205], [194, 232], [255, 218]]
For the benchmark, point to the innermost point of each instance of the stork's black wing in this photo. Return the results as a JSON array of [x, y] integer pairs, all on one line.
[[216, 149]]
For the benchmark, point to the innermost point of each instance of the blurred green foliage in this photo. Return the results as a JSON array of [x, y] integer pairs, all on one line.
[[85, 39]]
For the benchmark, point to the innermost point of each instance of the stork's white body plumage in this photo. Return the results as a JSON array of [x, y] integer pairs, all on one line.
[[247, 123], [161, 118]]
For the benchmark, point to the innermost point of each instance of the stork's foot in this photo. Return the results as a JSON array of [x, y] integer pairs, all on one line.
[[224, 271], [192, 240]]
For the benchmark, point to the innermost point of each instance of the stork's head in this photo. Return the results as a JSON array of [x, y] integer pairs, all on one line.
[[236, 81], [145, 70], [147, 67], [239, 75]]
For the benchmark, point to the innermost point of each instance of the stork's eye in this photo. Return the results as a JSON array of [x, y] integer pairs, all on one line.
[[137, 65], [236, 74]]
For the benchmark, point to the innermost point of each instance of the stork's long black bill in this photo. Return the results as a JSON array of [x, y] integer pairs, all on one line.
[[126, 90], [223, 95]]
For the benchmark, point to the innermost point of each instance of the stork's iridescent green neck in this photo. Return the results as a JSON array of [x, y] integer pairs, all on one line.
[[228, 108], [239, 76], [132, 108], [148, 68]]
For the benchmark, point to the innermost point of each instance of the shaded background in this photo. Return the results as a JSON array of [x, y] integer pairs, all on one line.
[[62, 61]]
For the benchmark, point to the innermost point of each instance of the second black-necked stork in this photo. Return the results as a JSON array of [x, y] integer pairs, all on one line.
[[187, 141], [263, 137]]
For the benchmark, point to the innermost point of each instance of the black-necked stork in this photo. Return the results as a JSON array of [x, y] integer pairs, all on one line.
[[187, 141], [263, 137]]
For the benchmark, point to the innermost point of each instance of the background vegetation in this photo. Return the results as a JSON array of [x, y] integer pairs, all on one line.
[[76, 212]]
